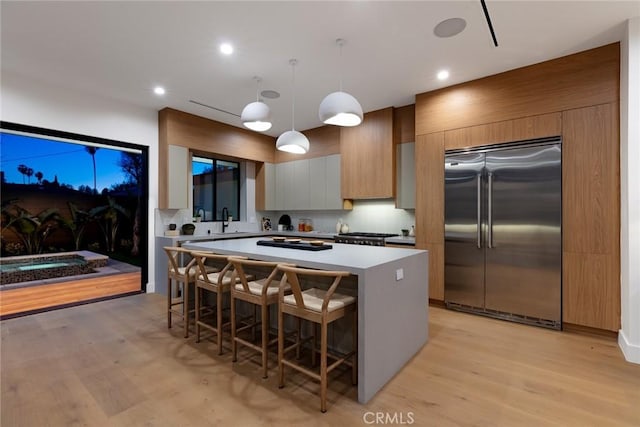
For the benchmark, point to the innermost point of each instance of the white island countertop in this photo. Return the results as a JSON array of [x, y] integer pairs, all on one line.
[[392, 287], [353, 258]]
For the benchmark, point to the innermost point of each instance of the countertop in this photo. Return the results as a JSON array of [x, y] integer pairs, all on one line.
[[340, 257], [245, 234], [399, 240]]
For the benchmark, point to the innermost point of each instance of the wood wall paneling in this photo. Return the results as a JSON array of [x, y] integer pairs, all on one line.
[[436, 270], [583, 79], [591, 290], [323, 141], [522, 129], [430, 188], [204, 135], [591, 177], [404, 124], [368, 157], [261, 186]]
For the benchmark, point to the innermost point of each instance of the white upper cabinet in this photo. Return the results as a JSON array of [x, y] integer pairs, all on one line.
[[178, 177], [308, 184], [406, 176]]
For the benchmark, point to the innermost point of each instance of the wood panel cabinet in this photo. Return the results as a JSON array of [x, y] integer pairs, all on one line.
[[591, 217], [429, 160], [406, 179], [368, 157]]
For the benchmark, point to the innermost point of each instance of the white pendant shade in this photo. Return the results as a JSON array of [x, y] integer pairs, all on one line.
[[293, 141], [256, 116], [340, 109]]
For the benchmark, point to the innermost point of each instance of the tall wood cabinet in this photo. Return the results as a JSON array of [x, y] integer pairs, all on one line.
[[591, 217], [577, 97], [368, 157]]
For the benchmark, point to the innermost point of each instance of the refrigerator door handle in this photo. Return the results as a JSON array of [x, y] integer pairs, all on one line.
[[489, 212], [479, 213]]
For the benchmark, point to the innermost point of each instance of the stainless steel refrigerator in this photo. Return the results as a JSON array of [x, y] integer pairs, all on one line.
[[503, 232]]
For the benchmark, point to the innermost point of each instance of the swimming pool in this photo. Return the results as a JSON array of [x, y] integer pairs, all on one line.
[[41, 267]]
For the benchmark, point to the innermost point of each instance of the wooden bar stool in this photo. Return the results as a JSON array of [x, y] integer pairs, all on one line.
[[261, 292], [320, 307], [218, 282], [182, 278]]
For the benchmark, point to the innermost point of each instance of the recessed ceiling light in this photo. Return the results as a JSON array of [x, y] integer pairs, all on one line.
[[270, 94], [450, 27], [159, 90], [443, 75], [226, 48]]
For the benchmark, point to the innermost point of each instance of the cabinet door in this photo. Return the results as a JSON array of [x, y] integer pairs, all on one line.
[[270, 187], [368, 157], [317, 183], [179, 186], [300, 185], [406, 170], [333, 196], [284, 186]]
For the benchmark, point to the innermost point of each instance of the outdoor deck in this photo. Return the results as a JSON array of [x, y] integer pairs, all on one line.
[[38, 298]]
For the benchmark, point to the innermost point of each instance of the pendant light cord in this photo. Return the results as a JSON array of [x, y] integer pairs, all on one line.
[[257, 88], [293, 63], [340, 42]]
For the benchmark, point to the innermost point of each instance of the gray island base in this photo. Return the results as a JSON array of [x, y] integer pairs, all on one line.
[[392, 299]]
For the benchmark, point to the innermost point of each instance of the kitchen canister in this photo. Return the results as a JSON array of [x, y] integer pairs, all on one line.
[[344, 228], [339, 226]]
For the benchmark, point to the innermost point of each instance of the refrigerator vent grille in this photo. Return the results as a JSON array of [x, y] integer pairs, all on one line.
[[527, 320]]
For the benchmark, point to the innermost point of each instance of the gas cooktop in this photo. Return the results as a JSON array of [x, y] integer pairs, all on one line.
[[357, 234]]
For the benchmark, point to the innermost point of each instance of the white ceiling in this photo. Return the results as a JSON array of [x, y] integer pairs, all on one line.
[[123, 49]]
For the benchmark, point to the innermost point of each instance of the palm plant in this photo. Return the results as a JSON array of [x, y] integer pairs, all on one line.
[[92, 152], [108, 218], [77, 223], [32, 230], [23, 170], [39, 177]]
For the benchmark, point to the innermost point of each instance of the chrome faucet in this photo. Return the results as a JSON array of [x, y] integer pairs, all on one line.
[[225, 217]]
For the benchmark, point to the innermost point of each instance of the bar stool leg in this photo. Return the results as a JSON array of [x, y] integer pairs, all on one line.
[[280, 348], [169, 293], [234, 344], [314, 345], [219, 320], [323, 366], [185, 307], [264, 312], [298, 335], [198, 302]]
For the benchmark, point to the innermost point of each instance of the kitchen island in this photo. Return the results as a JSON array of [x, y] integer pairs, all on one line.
[[392, 288]]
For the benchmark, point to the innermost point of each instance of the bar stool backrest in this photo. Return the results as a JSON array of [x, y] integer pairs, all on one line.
[[291, 276]]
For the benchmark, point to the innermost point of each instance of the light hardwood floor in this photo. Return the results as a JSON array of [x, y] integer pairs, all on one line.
[[115, 363]]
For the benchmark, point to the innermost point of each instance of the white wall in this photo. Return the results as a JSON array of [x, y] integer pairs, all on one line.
[[35, 103], [629, 335]]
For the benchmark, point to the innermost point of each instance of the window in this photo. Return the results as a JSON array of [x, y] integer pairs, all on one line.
[[216, 185]]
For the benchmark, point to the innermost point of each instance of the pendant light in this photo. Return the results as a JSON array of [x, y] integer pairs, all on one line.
[[340, 108], [293, 141], [257, 115]]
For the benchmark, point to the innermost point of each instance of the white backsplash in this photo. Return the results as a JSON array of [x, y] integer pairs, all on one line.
[[164, 217], [373, 216]]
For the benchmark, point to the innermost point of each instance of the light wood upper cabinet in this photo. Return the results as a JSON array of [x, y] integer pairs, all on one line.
[[368, 157]]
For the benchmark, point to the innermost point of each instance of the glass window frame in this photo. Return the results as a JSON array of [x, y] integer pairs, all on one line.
[[235, 211]]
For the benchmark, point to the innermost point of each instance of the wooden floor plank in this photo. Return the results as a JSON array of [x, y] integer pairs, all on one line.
[[116, 363], [30, 298]]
